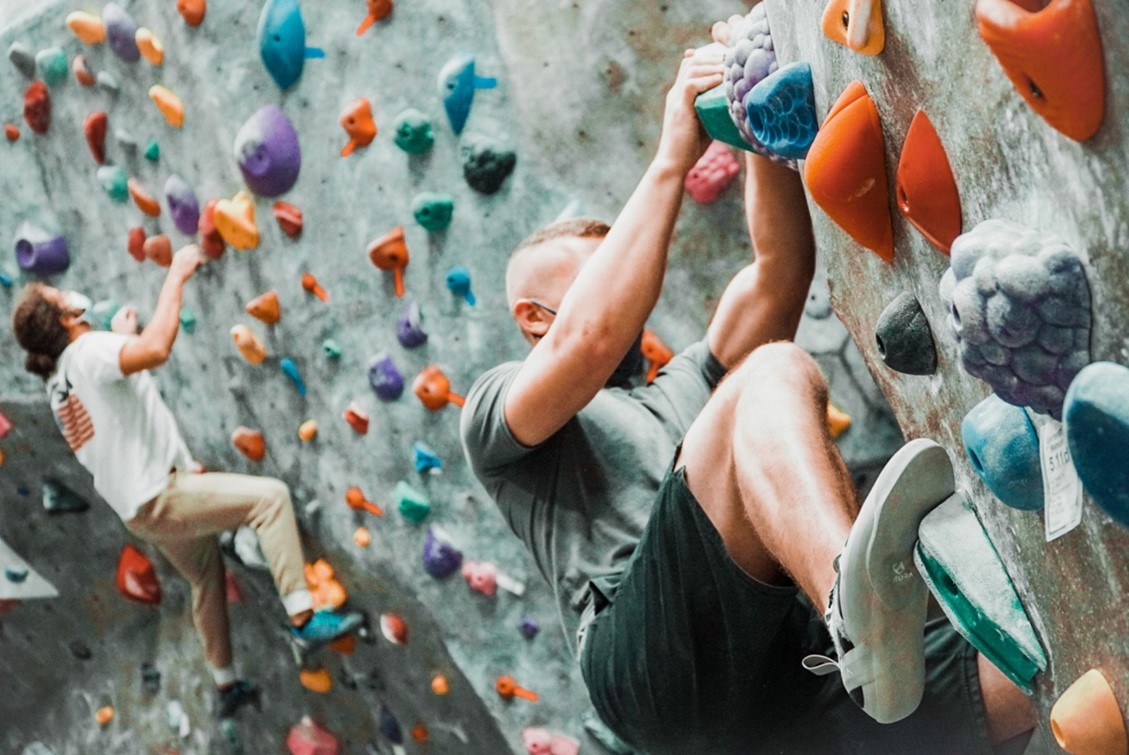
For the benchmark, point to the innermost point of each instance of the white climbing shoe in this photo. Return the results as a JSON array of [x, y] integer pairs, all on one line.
[[877, 609]]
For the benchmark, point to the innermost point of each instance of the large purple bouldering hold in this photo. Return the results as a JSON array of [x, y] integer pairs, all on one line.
[[385, 379], [40, 252], [183, 205], [409, 326], [440, 556], [121, 32], [750, 58], [268, 153], [1019, 304]]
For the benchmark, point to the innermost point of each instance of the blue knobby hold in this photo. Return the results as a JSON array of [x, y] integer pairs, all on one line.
[[781, 111], [1096, 422], [1003, 447]]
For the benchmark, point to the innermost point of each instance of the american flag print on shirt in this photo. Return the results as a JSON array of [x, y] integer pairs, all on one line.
[[71, 416]]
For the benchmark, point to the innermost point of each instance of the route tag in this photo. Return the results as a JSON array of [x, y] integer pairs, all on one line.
[[1062, 490]]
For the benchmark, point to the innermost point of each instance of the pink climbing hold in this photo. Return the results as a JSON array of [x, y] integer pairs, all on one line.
[[307, 738], [136, 578], [37, 107], [210, 239], [289, 218], [482, 577], [711, 174], [5, 425], [94, 128], [135, 243], [158, 249], [540, 741]]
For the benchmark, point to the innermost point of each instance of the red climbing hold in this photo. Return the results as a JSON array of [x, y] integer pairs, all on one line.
[[82, 72], [135, 243], [231, 588], [250, 443], [311, 286], [925, 188], [656, 352], [289, 218], [358, 124], [192, 11], [210, 239], [37, 107], [711, 174], [377, 9], [356, 418], [137, 579], [265, 308], [307, 738], [12, 132], [394, 628], [390, 252], [433, 388], [158, 249], [94, 127]]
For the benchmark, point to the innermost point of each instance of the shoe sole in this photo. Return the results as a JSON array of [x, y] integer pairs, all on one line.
[[302, 648], [884, 599]]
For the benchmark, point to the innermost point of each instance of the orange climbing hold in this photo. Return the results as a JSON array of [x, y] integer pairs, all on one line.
[[433, 388], [356, 418], [856, 24], [1053, 56], [11, 132], [1087, 720], [508, 689], [37, 107], [377, 9], [158, 249], [235, 221], [249, 345], [135, 243], [104, 715], [82, 72], [250, 443], [136, 578], [845, 171], [289, 218], [419, 733], [210, 239], [346, 645], [321, 578], [308, 430], [925, 188], [152, 49], [390, 252], [311, 286], [192, 11], [87, 27], [439, 685], [316, 680], [362, 537], [838, 421], [169, 104], [265, 308], [358, 124], [94, 129], [656, 352], [355, 498], [143, 199]]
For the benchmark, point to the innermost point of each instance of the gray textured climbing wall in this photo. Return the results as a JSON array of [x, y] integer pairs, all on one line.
[[575, 81], [1009, 164]]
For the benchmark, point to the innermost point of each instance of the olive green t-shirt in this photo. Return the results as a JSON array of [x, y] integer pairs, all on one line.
[[580, 500]]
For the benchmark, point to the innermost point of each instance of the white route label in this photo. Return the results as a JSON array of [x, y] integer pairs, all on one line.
[[1062, 490]]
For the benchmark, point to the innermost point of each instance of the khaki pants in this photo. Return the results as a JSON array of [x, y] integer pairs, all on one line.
[[183, 522]]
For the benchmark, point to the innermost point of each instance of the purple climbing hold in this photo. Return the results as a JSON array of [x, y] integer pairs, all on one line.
[[40, 252], [386, 380], [529, 627], [441, 558], [121, 32], [750, 59], [268, 153], [409, 326], [183, 205], [457, 82]]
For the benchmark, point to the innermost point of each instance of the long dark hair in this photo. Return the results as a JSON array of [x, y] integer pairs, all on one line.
[[38, 326]]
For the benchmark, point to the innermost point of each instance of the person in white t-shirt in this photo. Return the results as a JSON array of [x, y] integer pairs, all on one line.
[[112, 416]]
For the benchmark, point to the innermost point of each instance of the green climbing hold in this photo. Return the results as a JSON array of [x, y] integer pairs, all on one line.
[[52, 65], [187, 320], [413, 132], [433, 210], [713, 112], [413, 504], [153, 151], [114, 182], [102, 313], [331, 348]]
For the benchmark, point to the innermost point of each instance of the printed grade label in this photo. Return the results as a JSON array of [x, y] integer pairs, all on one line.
[[1062, 490]]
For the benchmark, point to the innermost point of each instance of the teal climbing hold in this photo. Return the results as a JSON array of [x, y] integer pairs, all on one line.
[[153, 151], [187, 320], [713, 113], [457, 82], [102, 313], [424, 459], [59, 499], [414, 505], [331, 349], [958, 562], [433, 210], [5, 279], [290, 369], [458, 281], [282, 41], [413, 132], [1003, 447], [52, 65], [1096, 422], [114, 182]]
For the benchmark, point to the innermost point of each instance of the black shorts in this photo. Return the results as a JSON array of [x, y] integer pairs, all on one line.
[[690, 655]]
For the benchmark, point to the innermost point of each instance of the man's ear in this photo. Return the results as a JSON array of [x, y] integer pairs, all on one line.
[[531, 319]]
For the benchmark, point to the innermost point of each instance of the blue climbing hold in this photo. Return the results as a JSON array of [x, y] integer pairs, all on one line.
[[781, 111], [529, 627], [15, 574], [1003, 447], [458, 281], [457, 82], [1096, 419], [290, 369], [424, 458], [282, 41], [5, 279], [390, 727], [385, 379], [409, 326]]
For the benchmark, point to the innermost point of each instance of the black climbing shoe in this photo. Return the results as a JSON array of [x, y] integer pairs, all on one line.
[[233, 697]]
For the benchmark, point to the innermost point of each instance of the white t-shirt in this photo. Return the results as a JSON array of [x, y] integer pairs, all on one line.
[[119, 427]]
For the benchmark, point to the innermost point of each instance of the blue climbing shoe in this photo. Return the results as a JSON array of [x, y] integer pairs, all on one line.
[[323, 628]]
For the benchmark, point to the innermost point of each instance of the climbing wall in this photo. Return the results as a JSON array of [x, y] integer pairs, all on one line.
[[557, 105], [1011, 164]]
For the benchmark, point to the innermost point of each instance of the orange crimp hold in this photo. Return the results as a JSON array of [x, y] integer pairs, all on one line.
[[377, 9], [356, 418], [192, 11], [311, 286], [87, 27], [925, 188], [838, 421], [1053, 56], [152, 49], [250, 443], [11, 132], [289, 218], [362, 537], [857, 24], [308, 430], [508, 688], [322, 581], [104, 715], [265, 308], [433, 388], [656, 352], [210, 239], [355, 498], [143, 199], [317, 680], [439, 685], [346, 645], [249, 345], [169, 104], [81, 71], [1087, 720], [845, 171], [390, 252], [235, 221], [358, 124], [136, 578]]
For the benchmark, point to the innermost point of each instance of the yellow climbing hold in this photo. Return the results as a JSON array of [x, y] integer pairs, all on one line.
[[235, 221], [317, 680], [308, 430], [150, 46], [169, 104], [87, 27], [837, 420]]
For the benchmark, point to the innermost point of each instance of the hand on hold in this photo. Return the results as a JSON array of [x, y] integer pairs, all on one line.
[[683, 139], [125, 321], [187, 261]]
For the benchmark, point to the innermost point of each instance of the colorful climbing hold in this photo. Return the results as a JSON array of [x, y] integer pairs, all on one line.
[[114, 182], [838, 421], [265, 307], [539, 741], [657, 353], [171, 106], [94, 129], [87, 27], [440, 686], [749, 59], [409, 326], [267, 150], [390, 727], [152, 151], [159, 250], [357, 418], [210, 239], [289, 218], [316, 680], [290, 369], [249, 345], [51, 64], [22, 58], [441, 558], [1096, 417], [358, 123], [413, 504], [308, 430], [712, 107], [307, 738], [413, 132], [1052, 52], [433, 389], [377, 10], [925, 188], [715, 170], [1086, 719], [81, 71], [102, 314], [433, 210], [104, 715], [424, 459], [419, 733], [508, 688], [135, 243], [457, 82], [282, 42], [39, 251], [394, 628], [390, 252], [5, 425], [142, 198], [59, 499], [322, 580], [11, 132], [187, 320], [458, 283], [235, 221], [136, 577], [362, 537], [121, 32], [37, 107], [385, 378], [486, 163], [250, 443], [311, 286], [529, 627], [1003, 447], [781, 111], [481, 576], [856, 24], [183, 205], [150, 46], [904, 338], [356, 500], [845, 171], [192, 11], [331, 349]]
